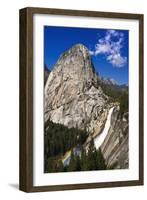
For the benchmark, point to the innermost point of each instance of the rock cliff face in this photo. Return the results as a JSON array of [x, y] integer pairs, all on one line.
[[46, 74], [72, 94], [115, 146]]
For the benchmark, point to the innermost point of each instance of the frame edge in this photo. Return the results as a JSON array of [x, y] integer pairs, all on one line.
[[26, 102], [141, 100]]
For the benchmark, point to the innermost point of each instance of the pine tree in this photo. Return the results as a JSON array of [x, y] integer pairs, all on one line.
[[78, 163], [60, 167], [100, 160], [92, 158], [72, 164], [84, 166]]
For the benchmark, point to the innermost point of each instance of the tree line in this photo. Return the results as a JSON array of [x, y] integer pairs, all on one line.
[[59, 139], [117, 93], [91, 160]]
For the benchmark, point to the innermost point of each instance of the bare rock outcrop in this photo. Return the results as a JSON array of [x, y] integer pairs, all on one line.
[[72, 94], [115, 148]]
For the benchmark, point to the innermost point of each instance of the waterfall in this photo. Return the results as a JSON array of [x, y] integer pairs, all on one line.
[[101, 137]]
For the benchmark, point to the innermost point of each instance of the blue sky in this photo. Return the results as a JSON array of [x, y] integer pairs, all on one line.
[[108, 48]]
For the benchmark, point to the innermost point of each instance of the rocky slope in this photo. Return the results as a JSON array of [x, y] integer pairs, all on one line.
[[72, 94], [115, 146], [46, 74]]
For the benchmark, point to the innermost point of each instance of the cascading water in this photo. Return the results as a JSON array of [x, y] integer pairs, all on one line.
[[101, 137]]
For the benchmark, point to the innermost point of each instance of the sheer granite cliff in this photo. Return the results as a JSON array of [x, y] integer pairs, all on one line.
[[115, 147], [72, 94]]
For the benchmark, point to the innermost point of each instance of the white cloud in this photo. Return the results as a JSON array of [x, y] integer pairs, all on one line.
[[103, 48], [117, 60], [110, 45]]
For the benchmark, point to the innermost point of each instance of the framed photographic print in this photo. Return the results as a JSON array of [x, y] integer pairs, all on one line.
[[81, 99]]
